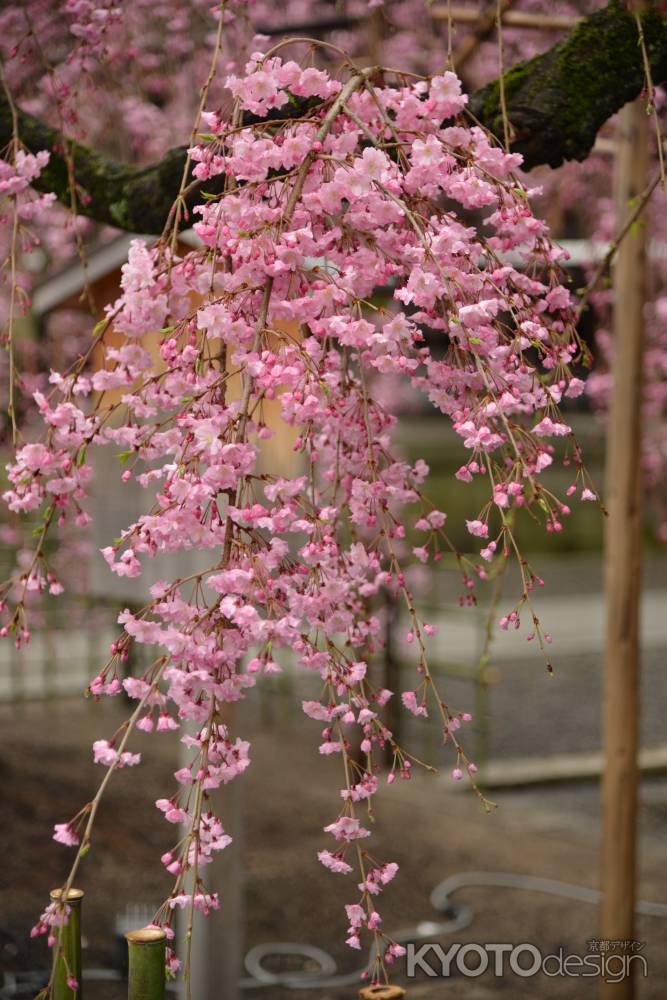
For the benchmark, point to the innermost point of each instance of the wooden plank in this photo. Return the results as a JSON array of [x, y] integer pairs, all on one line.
[[559, 768]]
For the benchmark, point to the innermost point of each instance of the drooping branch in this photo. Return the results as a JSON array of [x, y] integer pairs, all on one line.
[[556, 103]]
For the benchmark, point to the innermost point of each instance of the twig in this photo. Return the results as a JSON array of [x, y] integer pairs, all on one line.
[[177, 207], [650, 88], [616, 242], [501, 74], [13, 247]]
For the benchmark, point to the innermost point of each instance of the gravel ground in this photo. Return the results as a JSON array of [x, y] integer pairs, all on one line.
[[432, 830]]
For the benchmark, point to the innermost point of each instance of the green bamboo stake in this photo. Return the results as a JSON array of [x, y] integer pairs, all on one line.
[[68, 949], [146, 961]]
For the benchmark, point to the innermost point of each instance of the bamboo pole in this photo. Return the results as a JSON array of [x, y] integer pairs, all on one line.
[[68, 949], [146, 964], [622, 555], [511, 18]]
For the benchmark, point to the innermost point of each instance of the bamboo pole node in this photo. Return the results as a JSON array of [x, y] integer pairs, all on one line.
[[73, 895], [146, 935], [382, 993]]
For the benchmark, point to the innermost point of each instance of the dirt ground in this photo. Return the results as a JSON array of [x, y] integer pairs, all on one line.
[[430, 828]]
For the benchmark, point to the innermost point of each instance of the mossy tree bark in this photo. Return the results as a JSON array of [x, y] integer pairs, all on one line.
[[556, 104], [558, 101]]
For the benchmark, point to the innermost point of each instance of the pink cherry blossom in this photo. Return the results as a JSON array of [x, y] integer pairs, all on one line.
[[307, 217]]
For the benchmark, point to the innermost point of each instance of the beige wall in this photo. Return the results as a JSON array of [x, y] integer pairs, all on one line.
[[116, 504]]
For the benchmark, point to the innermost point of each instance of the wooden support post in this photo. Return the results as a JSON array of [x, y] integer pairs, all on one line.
[[217, 939], [622, 555], [68, 949], [146, 964]]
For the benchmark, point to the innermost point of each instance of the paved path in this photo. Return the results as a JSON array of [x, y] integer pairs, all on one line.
[[576, 623]]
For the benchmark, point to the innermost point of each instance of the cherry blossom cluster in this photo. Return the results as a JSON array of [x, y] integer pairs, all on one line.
[[59, 55], [316, 193], [19, 206]]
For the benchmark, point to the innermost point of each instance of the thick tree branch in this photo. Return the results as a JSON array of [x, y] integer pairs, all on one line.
[[133, 198], [556, 103]]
